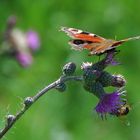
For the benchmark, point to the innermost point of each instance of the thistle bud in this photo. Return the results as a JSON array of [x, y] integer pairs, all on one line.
[[28, 101], [118, 81], [89, 75], [69, 68], [61, 87], [10, 119], [106, 79], [96, 88]]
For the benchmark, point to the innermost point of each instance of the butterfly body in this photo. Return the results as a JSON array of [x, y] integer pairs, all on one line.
[[92, 42]]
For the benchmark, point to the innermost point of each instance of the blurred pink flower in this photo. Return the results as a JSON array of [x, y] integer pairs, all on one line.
[[24, 59], [21, 45], [33, 40]]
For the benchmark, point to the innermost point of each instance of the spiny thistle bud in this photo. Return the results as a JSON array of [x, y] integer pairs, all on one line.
[[69, 68], [28, 101], [99, 65], [61, 87], [96, 88], [118, 81], [106, 79], [10, 119], [86, 65], [89, 75]]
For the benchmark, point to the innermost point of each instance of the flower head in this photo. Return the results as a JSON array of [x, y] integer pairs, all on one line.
[[110, 58], [24, 59], [33, 40], [109, 103]]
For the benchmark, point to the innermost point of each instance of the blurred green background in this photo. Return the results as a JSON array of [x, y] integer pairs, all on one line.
[[69, 115]]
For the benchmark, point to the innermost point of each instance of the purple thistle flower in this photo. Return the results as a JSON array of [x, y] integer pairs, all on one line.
[[24, 59], [110, 59], [109, 103], [33, 40]]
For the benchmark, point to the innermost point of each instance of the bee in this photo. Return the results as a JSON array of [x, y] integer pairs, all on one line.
[[122, 113], [123, 110]]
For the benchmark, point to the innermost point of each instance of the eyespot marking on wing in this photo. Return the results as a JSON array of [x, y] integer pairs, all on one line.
[[78, 42], [82, 35]]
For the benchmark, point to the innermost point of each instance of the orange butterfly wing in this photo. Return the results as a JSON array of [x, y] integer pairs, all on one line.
[[81, 35], [96, 44], [82, 40]]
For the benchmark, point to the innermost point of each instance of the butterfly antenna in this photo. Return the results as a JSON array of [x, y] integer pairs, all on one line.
[[62, 28], [131, 38]]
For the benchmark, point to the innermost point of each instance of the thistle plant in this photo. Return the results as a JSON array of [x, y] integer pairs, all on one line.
[[18, 44], [94, 78]]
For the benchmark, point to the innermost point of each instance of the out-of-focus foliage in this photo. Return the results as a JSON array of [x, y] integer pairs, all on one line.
[[69, 115]]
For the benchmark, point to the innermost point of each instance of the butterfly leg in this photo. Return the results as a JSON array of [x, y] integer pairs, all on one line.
[[114, 51]]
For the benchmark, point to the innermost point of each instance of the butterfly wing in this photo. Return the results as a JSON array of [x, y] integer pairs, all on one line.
[[82, 35], [107, 45], [81, 39], [94, 43], [117, 43], [82, 44]]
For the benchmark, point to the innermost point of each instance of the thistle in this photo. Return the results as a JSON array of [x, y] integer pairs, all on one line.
[[96, 78], [18, 44]]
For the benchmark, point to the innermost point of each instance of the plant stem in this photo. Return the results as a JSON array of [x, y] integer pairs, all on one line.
[[63, 79]]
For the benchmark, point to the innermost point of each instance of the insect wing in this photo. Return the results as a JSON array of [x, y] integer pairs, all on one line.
[[82, 35]]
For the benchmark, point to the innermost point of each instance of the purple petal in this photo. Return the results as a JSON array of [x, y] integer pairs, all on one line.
[[109, 103], [25, 59], [110, 59], [33, 40]]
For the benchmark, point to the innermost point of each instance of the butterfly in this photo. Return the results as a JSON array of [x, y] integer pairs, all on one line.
[[95, 44]]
